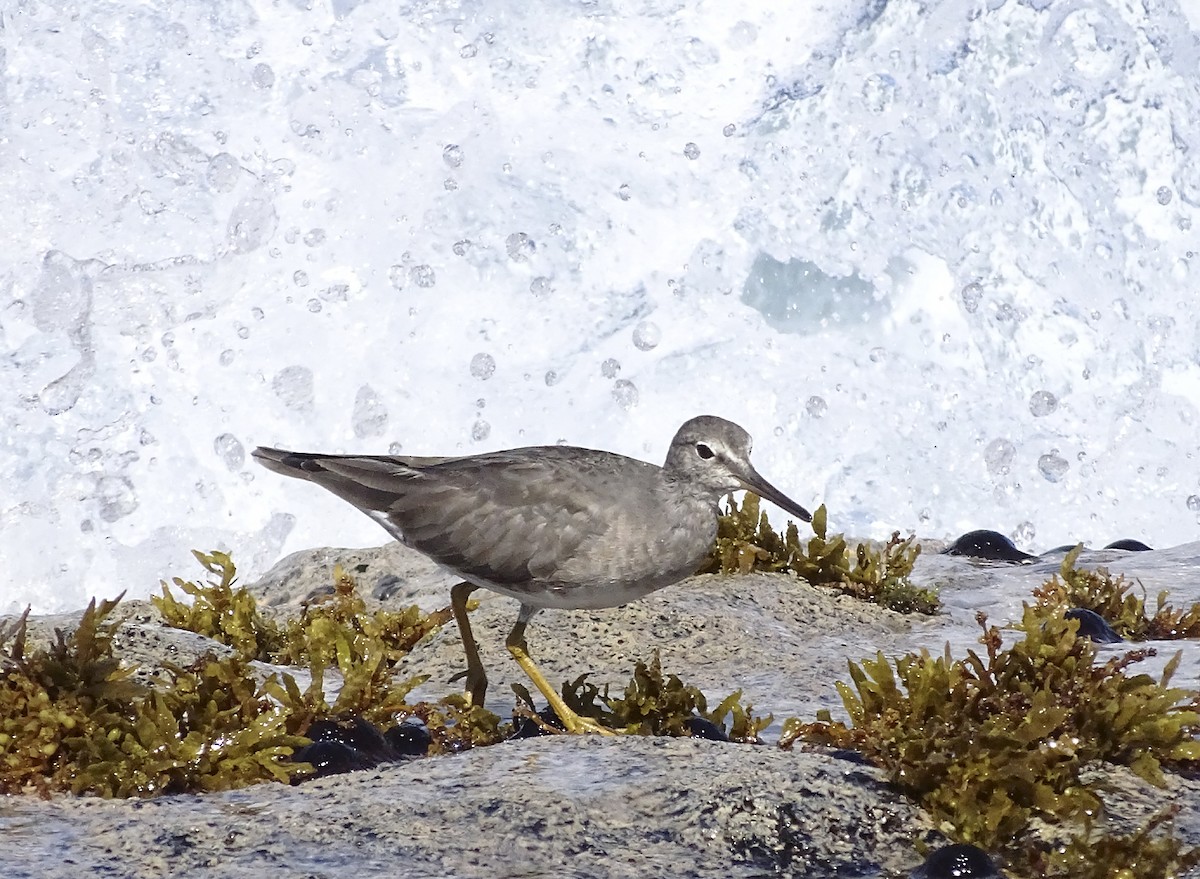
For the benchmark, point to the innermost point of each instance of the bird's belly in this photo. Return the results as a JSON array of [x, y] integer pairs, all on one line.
[[575, 596]]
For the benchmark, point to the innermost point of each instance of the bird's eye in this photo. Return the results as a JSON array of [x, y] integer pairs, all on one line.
[[704, 451]]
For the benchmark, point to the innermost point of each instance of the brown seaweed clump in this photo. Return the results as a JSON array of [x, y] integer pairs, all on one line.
[[992, 745], [746, 542], [1113, 599]]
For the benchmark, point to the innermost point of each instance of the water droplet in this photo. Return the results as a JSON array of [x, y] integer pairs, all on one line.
[[314, 237], [1053, 466], [223, 172], [226, 357], [878, 355], [460, 248], [520, 246], [483, 366], [646, 335], [972, 295], [230, 451], [625, 393], [623, 192], [314, 305], [1042, 403], [252, 222], [293, 385], [263, 76], [879, 92], [552, 378], [729, 130], [610, 368], [116, 497], [1163, 195], [816, 407], [452, 155], [1193, 503], [243, 331], [422, 276], [691, 150], [470, 50], [999, 456], [480, 431], [300, 277], [1024, 533], [370, 417], [540, 287]]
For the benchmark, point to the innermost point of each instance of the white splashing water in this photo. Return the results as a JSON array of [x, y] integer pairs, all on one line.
[[939, 258]]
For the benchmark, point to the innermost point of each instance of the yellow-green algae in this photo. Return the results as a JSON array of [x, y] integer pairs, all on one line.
[[1113, 599], [746, 542], [654, 704], [72, 719], [987, 744]]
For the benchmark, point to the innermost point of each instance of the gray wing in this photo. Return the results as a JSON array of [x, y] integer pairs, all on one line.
[[509, 518]]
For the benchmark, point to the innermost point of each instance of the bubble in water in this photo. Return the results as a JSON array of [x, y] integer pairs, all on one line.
[[300, 278], [625, 393], [519, 246], [552, 378], [314, 237], [230, 451], [1053, 466], [691, 151], [623, 192], [226, 357], [116, 497], [878, 355], [470, 50], [483, 366], [879, 92], [1163, 195], [422, 276], [263, 76], [370, 415], [646, 335], [1042, 403], [452, 155], [314, 305], [1024, 533], [223, 172], [972, 295], [293, 385], [480, 431], [729, 130], [1193, 503], [540, 287], [816, 407], [999, 456], [610, 368]]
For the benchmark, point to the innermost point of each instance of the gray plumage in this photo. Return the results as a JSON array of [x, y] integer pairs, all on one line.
[[552, 526]]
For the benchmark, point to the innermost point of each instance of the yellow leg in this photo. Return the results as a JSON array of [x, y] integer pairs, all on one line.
[[520, 651], [476, 676]]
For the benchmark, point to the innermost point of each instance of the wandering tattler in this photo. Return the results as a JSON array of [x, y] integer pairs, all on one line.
[[551, 526]]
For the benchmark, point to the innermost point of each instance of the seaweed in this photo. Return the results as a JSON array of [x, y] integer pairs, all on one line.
[[988, 744], [1113, 598], [746, 542], [71, 718], [654, 704]]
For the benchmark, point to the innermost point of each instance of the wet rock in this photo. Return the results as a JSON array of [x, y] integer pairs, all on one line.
[[1094, 626], [989, 546]]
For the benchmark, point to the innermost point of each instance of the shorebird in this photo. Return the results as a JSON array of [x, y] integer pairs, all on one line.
[[551, 526]]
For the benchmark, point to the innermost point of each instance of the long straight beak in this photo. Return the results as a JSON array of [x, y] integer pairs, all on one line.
[[752, 481]]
